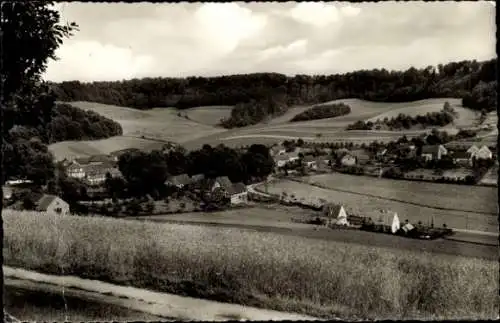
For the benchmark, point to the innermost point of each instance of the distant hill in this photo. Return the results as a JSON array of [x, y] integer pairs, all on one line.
[[260, 95]]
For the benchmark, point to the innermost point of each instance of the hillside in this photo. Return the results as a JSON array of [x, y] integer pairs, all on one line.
[[258, 96]]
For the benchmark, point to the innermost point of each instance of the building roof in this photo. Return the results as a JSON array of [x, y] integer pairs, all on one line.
[[287, 156], [360, 154], [224, 182], [484, 149], [43, 203], [332, 209], [473, 149], [385, 217], [237, 188], [182, 179]]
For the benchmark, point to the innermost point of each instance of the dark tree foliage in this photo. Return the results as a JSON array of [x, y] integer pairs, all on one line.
[[323, 112], [147, 172], [261, 95]]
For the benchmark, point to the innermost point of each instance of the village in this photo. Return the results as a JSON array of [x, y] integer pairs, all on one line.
[[293, 159]]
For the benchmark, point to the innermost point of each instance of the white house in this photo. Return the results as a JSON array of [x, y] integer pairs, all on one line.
[[336, 214], [310, 162], [52, 205], [472, 150], [483, 153], [389, 221], [282, 160]]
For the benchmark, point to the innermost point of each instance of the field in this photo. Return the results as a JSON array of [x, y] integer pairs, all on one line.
[[410, 203], [259, 269], [164, 124], [156, 126]]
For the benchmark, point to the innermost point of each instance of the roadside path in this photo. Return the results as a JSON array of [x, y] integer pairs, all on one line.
[[155, 303]]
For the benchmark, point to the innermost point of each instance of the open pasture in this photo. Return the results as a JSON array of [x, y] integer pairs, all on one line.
[[447, 196], [210, 115], [253, 268], [70, 149], [368, 206]]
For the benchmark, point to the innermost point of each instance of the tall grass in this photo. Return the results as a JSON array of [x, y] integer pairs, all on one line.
[[278, 272]]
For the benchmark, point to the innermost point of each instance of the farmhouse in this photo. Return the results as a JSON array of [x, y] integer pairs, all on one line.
[[336, 214], [433, 152], [388, 221], [95, 174], [178, 181], [220, 182], [472, 150], [277, 150], [361, 156], [52, 205]]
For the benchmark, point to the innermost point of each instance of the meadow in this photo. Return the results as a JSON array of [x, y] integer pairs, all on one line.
[[446, 196], [367, 205], [253, 268], [165, 124]]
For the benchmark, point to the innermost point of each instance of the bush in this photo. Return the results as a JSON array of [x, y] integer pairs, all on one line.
[[322, 112]]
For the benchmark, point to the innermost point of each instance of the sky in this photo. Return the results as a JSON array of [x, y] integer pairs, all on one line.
[[119, 41]]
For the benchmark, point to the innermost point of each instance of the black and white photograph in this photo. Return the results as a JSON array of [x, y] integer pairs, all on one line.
[[249, 161]]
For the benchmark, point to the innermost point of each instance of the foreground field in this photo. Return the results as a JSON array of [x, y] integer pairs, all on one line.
[[368, 206], [267, 270]]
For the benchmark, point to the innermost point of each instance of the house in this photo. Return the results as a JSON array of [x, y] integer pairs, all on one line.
[[238, 193], [472, 150], [361, 156], [179, 181], [483, 153], [222, 182], [52, 204], [336, 214], [407, 227], [95, 173], [388, 221], [348, 160], [433, 152]]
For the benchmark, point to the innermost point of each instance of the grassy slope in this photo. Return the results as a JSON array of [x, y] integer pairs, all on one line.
[[161, 124], [365, 205], [333, 129], [260, 269]]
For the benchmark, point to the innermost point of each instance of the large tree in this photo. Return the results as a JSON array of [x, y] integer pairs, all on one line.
[[30, 34]]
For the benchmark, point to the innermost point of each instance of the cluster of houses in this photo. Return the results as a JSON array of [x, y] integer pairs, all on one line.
[[351, 157], [218, 187]]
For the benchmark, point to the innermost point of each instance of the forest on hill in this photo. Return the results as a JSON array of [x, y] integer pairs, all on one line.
[[261, 95]]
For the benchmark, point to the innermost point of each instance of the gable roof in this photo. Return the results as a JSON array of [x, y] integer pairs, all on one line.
[[484, 149], [473, 149], [182, 179], [332, 209], [224, 182], [198, 177], [44, 202], [237, 188]]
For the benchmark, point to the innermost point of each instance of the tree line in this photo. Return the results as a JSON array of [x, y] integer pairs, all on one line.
[[323, 112], [262, 95]]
